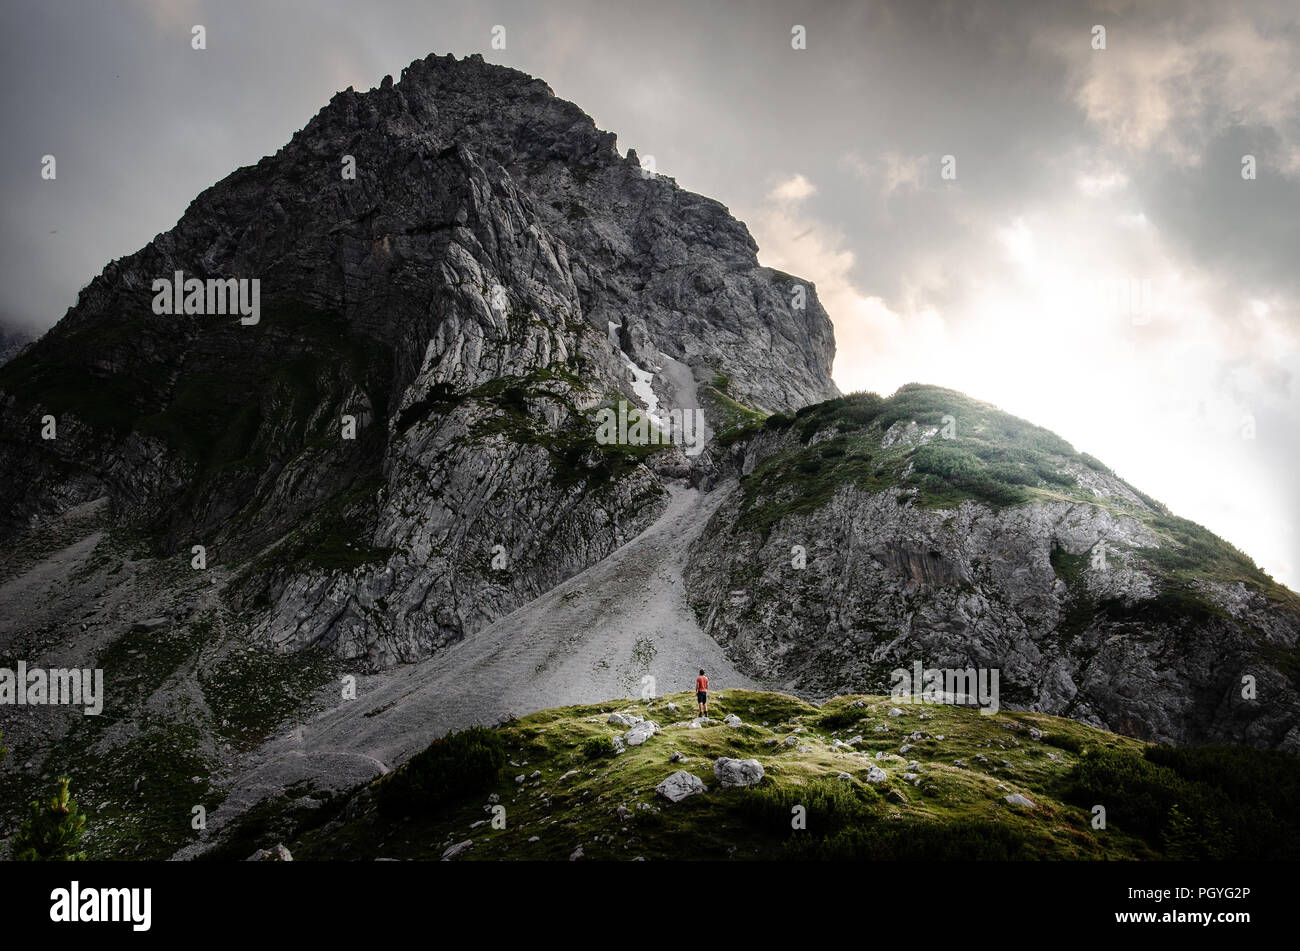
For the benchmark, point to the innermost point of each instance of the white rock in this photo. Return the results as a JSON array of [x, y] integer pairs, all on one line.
[[737, 772], [876, 775], [623, 719], [277, 853], [454, 850], [1016, 799], [895, 712], [680, 785], [732, 720], [640, 733]]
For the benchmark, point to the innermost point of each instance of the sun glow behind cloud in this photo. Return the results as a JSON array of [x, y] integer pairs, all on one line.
[[1080, 319]]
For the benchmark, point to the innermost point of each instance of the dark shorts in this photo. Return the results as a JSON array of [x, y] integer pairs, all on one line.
[[702, 696]]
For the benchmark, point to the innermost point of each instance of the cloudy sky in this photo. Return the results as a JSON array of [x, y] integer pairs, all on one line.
[[1099, 264]]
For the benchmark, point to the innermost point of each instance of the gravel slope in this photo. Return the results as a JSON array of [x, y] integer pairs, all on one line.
[[592, 638]]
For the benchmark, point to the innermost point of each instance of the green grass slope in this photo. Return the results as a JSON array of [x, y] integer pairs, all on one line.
[[547, 787]]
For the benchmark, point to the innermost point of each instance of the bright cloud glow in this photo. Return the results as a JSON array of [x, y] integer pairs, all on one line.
[[1087, 324]]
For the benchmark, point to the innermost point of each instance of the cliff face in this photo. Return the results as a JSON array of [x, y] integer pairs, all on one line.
[[936, 529], [493, 275]]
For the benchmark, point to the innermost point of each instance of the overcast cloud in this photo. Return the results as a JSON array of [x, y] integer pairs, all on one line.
[[1079, 172]]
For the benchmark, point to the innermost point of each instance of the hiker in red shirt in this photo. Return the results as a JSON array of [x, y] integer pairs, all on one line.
[[702, 693]]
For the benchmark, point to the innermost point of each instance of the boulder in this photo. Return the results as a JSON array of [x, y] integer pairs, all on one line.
[[452, 851], [277, 853], [737, 772], [680, 785], [640, 733]]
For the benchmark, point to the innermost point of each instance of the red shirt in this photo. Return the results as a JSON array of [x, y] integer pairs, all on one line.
[[701, 683]]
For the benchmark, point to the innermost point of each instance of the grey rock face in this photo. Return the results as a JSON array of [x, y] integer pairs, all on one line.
[[494, 274]]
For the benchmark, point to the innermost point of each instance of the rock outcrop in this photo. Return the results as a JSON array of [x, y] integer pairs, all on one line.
[[862, 541]]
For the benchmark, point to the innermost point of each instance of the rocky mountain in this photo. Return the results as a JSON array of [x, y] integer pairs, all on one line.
[[389, 462], [494, 273]]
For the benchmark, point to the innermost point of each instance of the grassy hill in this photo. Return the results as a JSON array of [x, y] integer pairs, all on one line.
[[992, 457], [564, 791]]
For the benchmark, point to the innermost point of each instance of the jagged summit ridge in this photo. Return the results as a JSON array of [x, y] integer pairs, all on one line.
[[493, 274]]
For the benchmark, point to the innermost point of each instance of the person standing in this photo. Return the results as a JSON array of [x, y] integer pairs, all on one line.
[[702, 693]]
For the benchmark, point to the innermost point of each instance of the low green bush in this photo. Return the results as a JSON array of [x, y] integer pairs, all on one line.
[[449, 769], [1200, 803], [598, 747]]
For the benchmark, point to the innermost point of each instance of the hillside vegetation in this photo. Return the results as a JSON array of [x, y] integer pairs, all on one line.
[[875, 780], [963, 449]]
